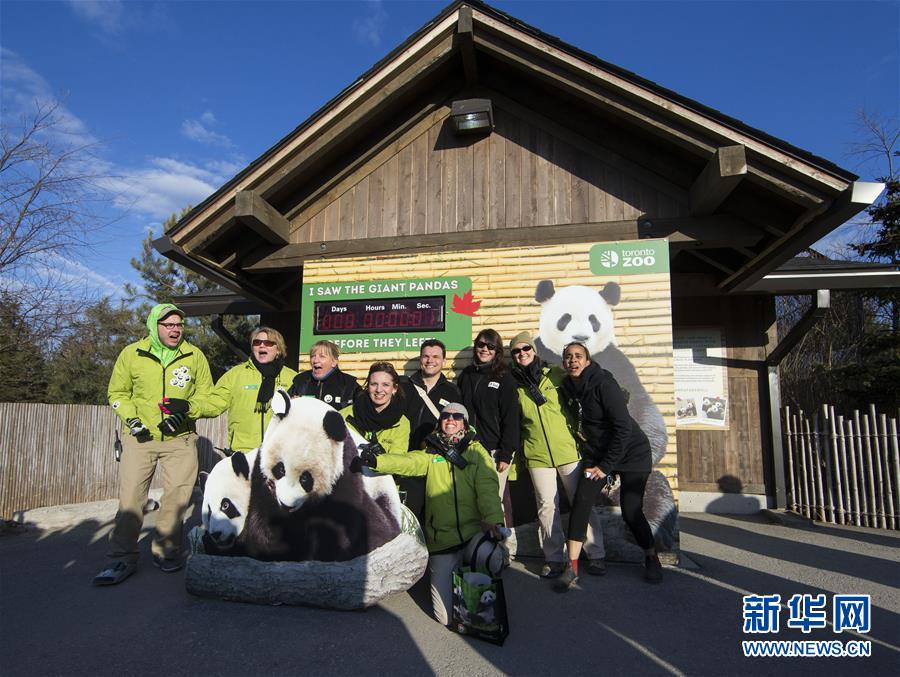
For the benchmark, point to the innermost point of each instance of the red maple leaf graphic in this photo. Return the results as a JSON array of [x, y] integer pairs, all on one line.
[[465, 305]]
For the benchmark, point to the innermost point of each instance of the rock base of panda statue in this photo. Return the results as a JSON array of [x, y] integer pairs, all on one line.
[[354, 584]]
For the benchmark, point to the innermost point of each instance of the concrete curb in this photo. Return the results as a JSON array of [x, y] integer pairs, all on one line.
[[786, 518]]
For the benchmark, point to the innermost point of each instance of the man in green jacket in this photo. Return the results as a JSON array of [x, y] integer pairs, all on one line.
[[150, 389]]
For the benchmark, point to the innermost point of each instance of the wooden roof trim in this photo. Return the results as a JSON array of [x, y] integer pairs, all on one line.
[[718, 231], [722, 174], [658, 101], [367, 87]]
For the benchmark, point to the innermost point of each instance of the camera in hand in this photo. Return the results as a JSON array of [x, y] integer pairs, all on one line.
[[448, 451]]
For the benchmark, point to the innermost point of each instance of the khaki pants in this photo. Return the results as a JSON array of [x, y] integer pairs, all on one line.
[[177, 457], [545, 495]]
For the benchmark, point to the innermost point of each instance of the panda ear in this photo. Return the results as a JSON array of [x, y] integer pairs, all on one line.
[[239, 464], [611, 293], [334, 425], [281, 403], [203, 477], [544, 291]]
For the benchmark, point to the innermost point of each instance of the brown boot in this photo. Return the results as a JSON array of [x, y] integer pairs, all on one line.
[[566, 580]]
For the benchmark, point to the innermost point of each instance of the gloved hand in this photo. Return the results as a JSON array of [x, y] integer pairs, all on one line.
[[137, 428], [368, 454], [171, 424], [173, 405]]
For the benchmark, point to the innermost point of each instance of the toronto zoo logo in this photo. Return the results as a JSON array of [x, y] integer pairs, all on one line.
[[609, 259]]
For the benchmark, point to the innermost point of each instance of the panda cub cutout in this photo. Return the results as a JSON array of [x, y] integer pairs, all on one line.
[[583, 314], [305, 503], [226, 500]]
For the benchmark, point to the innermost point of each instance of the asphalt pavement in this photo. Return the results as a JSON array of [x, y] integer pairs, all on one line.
[[54, 622]]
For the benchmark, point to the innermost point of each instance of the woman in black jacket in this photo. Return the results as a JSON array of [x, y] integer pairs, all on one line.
[[611, 442], [489, 393]]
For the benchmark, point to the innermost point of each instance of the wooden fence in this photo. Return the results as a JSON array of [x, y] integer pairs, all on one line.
[[54, 454], [844, 470]]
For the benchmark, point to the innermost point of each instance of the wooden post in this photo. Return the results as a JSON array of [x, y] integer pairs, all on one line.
[[896, 454], [836, 466], [877, 514], [849, 473], [825, 455], [817, 468], [875, 451], [864, 474], [804, 467], [788, 434], [886, 459]]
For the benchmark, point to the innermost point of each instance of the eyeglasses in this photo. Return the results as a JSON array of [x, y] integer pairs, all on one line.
[[523, 349], [263, 342], [485, 344], [454, 415], [171, 325]]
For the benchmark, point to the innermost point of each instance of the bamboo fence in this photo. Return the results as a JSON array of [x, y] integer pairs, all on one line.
[[844, 470], [56, 454]]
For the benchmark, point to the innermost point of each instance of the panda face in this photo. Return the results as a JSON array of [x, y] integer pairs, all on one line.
[[577, 313], [226, 497], [302, 454]]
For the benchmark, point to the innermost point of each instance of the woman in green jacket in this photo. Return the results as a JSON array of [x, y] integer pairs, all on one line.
[[550, 450], [461, 496], [377, 411], [246, 390]]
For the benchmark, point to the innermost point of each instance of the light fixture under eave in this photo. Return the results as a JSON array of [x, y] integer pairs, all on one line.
[[472, 116]]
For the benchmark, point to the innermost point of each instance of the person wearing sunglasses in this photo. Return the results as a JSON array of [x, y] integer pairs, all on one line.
[[245, 391], [151, 389], [611, 442], [461, 496], [489, 393], [324, 380], [549, 450], [377, 411]]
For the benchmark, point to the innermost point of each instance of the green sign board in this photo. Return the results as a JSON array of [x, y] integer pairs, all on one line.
[[388, 315], [630, 258]]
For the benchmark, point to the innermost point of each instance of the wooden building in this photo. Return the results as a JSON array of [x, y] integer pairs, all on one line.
[[580, 150]]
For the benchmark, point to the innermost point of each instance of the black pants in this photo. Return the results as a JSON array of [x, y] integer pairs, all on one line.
[[631, 498]]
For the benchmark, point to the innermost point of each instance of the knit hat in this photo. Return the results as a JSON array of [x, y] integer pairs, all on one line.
[[456, 408], [521, 337]]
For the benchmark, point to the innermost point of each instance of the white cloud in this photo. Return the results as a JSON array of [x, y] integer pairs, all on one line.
[[199, 131], [166, 185], [370, 28], [107, 15]]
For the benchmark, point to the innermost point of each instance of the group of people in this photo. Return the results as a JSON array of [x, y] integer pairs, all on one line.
[[449, 446]]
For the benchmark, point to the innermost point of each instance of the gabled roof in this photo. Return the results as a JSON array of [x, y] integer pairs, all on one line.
[[728, 167]]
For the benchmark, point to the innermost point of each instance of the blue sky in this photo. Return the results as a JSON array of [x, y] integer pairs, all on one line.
[[181, 95]]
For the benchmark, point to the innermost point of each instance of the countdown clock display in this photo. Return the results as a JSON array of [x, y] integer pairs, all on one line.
[[380, 315]]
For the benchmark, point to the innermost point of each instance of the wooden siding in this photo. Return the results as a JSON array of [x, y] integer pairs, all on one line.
[[56, 454], [520, 175], [708, 457]]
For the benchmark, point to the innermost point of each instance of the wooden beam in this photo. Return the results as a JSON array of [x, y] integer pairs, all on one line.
[[722, 174], [466, 43], [252, 211], [857, 197], [682, 232], [710, 261]]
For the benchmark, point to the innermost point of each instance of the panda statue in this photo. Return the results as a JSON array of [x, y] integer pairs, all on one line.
[[580, 313], [305, 503], [226, 499]]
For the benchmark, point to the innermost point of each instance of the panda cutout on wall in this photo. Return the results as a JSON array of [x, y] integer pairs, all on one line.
[[226, 500], [305, 504], [580, 313]]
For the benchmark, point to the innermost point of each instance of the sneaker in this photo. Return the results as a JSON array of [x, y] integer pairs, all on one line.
[[567, 579], [168, 565], [652, 569], [553, 569], [597, 567], [115, 573]]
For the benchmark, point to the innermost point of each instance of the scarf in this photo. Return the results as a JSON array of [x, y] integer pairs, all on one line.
[[453, 439], [367, 420], [529, 377], [158, 349], [269, 371]]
